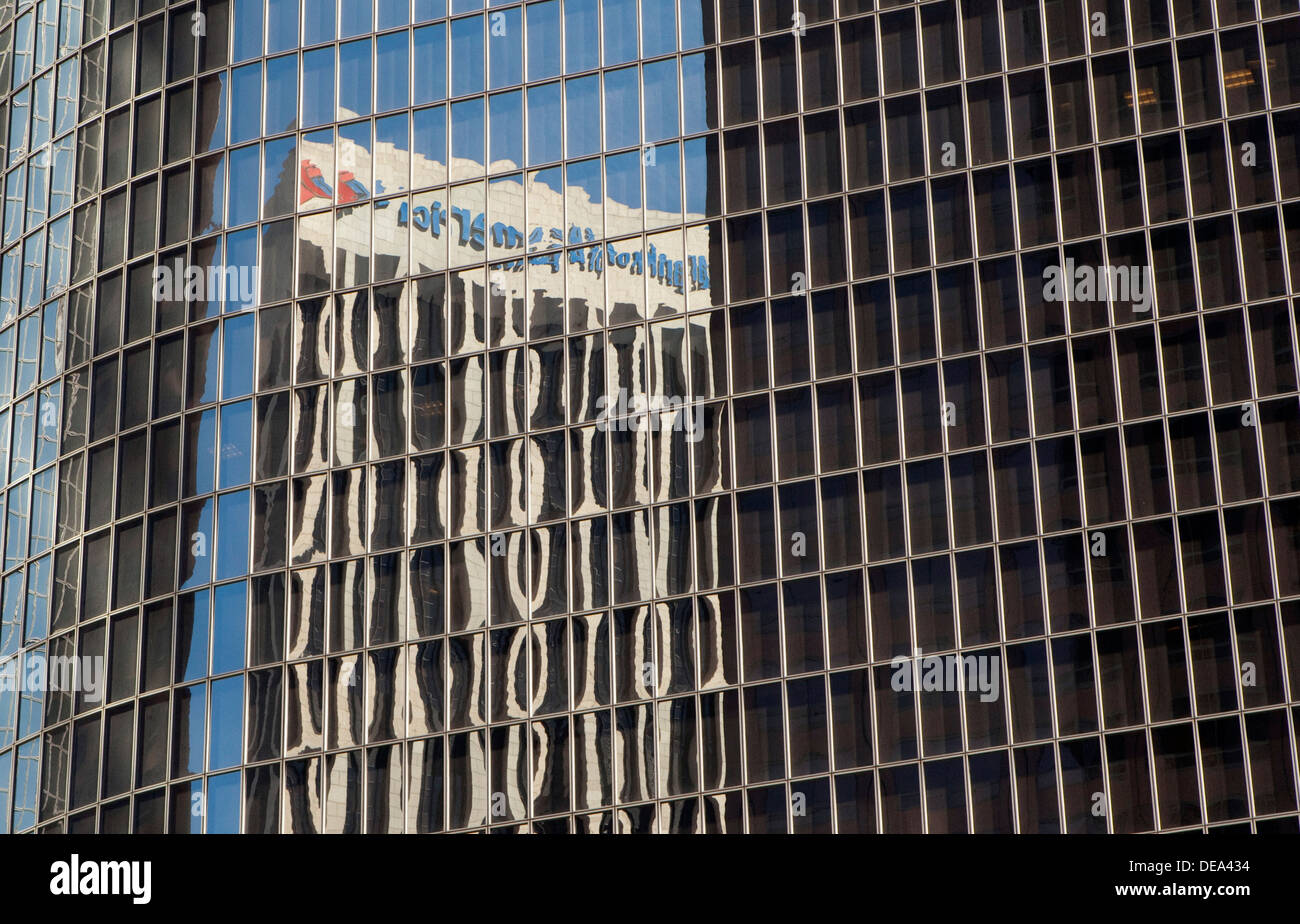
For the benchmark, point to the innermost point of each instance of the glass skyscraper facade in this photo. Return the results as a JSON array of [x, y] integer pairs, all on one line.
[[598, 415]]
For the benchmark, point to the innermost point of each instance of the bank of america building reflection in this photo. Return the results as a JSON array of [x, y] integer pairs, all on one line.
[[617, 416]]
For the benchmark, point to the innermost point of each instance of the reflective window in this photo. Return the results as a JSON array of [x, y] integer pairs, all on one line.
[[265, 291], [618, 17], [317, 87], [582, 96], [545, 142], [281, 94], [622, 108], [354, 79], [467, 55], [229, 608], [246, 103]]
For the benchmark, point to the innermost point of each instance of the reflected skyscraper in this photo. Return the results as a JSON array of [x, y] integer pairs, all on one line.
[[649, 415]]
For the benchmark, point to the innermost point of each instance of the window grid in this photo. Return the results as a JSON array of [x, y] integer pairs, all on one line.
[[834, 276]]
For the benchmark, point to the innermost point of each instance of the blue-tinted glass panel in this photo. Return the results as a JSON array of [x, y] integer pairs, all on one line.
[[658, 27], [507, 130], [11, 270], [392, 135], [51, 343], [695, 13], [354, 18], [429, 64], [33, 277], [622, 108], [7, 363], [279, 170], [56, 271], [661, 100], [393, 72], [623, 179], [282, 23], [47, 427], [16, 526], [467, 56], [189, 719], [13, 219], [245, 168], [424, 10], [26, 780], [226, 740], [38, 597], [223, 803], [232, 535], [38, 190], [354, 79], [202, 450], [44, 486], [229, 618], [192, 634], [281, 94], [318, 87], [47, 18], [247, 29], [24, 430], [393, 13], [237, 357], [467, 130], [241, 270], [581, 35], [318, 23], [29, 346], [24, 41], [582, 121], [543, 39], [61, 175], [585, 176], [619, 20], [545, 124], [19, 113], [429, 138], [11, 614], [69, 31], [32, 698], [246, 103], [505, 48], [200, 546], [4, 446], [42, 110], [236, 444], [663, 179], [6, 774], [9, 674], [697, 80]]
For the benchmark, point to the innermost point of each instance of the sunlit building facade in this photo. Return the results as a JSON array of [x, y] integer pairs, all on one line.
[[649, 416]]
